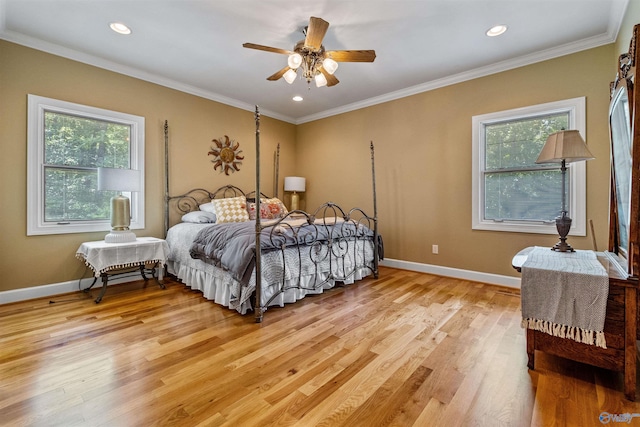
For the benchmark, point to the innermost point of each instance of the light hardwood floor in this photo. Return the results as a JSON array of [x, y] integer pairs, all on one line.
[[408, 349]]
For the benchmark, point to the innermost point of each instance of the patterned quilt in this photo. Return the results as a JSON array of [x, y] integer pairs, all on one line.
[[232, 245]]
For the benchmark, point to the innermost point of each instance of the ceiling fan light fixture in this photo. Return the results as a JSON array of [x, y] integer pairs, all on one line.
[[321, 80], [294, 60], [290, 76], [310, 56], [329, 65]]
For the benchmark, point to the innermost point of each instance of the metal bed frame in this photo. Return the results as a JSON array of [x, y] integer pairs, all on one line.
[[326, 218]]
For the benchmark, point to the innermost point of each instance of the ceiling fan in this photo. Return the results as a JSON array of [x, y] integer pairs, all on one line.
[[312, 59]]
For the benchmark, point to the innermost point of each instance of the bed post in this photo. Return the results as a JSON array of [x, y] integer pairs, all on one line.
[[375, 214], [258, 308], [276, 168], [166, 178]]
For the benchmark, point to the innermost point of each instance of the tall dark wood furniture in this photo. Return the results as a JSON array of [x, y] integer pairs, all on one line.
[[622, 259]]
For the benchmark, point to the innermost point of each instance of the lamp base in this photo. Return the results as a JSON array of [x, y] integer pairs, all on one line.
[[563, 225], [562, 247], [295, 201], [120, 236]]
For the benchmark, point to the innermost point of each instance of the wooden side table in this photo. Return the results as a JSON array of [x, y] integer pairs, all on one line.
[[113, 259]]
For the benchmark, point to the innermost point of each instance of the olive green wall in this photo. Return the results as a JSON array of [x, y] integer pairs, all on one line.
[[27, 261], [423, 161]]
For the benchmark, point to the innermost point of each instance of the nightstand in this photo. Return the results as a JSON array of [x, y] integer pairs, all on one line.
[[114, 259]]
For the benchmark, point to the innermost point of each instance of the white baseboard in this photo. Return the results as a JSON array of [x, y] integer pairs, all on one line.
[[15, 295], [475, 276], [24, 294]]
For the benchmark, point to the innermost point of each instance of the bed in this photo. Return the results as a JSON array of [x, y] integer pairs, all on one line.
[[213, 249]]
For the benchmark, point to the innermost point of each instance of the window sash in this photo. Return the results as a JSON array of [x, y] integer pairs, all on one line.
[[67, 192], [530, 195], [516, 143]]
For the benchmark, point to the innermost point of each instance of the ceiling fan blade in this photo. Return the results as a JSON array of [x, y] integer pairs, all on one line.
[[331, 79], [275, 76], [315, 33], [266, 48], [352, 55]]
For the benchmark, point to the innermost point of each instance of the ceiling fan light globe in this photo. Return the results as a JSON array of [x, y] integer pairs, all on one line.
[[329, 65], [290, 76], [321, 80], [294, 60]]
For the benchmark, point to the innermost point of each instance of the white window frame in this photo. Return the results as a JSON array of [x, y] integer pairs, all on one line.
[[37, 106], [576, 107]]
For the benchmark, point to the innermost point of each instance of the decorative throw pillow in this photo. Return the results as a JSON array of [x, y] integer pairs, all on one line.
[[232, 209], [269, 209], [200, 217]]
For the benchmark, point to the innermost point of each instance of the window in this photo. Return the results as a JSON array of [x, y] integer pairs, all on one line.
[[510, 191], [66, 144]]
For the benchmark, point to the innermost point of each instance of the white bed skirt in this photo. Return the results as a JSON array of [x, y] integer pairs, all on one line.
[[216, 285]]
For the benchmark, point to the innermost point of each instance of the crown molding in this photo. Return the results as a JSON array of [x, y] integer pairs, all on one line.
[[498, 67], [95, 61]]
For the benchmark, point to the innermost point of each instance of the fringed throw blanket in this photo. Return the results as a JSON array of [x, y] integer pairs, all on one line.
[[565, 294]]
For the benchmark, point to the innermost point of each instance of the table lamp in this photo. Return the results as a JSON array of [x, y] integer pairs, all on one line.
[[297, 185], [565, 146], [120, 180]]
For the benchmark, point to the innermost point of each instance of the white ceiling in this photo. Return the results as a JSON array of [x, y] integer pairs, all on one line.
[[196, 45]]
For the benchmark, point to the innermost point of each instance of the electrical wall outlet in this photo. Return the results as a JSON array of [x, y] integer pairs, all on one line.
[[434, 249]]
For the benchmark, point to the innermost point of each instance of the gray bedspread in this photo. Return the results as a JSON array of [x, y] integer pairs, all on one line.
[[232, 246]]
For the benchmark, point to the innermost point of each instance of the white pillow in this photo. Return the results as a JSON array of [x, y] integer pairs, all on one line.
[[200, 217], [208, 207]]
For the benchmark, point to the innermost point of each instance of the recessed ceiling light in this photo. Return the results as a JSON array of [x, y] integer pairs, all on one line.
[[297, 98], [496, 31], [120, 28]]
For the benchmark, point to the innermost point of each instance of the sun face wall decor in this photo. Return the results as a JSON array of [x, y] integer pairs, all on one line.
[[226, 155]]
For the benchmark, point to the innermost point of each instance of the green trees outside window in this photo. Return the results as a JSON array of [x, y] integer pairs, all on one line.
[[516, 188], [73, 148]]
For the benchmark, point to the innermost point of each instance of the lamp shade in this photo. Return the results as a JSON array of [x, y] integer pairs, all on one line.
[[294, 183], [565, 145], [118, 179]]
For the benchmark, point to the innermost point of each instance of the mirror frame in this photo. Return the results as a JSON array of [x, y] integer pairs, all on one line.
[[628, 258]]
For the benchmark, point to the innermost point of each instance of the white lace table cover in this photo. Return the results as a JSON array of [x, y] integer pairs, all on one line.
[[102, 257], [565, 294]]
